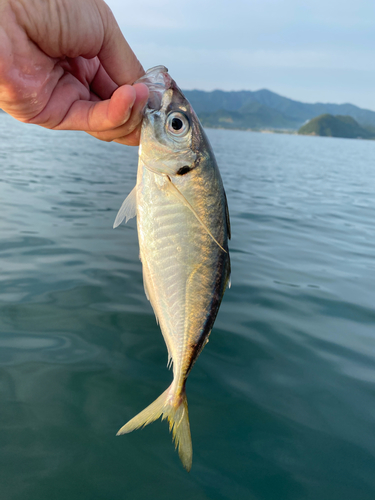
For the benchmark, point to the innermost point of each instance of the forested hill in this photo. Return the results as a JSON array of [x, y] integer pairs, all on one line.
[[262, 109], [336, 126]]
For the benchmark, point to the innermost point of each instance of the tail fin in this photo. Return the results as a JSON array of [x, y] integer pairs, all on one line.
[[175, 408]]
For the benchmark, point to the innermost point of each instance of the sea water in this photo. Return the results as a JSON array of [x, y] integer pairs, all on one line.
[[282, 399]]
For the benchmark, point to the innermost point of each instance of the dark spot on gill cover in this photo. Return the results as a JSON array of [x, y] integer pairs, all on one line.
[[183, 170]]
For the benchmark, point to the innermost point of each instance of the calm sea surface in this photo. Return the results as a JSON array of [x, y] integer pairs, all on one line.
[[282, 399]]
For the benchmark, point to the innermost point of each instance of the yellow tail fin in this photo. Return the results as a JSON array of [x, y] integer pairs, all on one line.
[[175, 408]]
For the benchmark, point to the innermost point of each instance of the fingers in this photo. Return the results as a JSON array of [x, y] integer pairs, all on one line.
[[114, 119], [124, 130], [102, 84], [79, 70], [71, 28], [99, 116], [131, 139]]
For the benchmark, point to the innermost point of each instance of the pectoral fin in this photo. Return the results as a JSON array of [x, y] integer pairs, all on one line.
[[128, 209]]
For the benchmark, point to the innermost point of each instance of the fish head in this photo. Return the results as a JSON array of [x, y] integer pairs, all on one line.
[[172, 136]]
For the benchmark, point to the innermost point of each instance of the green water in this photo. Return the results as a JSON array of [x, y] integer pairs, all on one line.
[[282, 399]]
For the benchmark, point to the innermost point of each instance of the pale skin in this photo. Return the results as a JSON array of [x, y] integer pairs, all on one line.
[[65, 65]]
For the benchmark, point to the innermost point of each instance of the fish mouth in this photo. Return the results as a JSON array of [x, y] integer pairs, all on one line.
[[158, 82]]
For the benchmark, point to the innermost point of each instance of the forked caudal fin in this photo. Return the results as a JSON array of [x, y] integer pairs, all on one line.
[[175, 409]]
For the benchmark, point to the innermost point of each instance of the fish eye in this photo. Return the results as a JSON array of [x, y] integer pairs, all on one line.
[[177, 124]]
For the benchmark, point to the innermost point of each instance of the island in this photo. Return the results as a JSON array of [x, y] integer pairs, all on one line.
[[327, 125]]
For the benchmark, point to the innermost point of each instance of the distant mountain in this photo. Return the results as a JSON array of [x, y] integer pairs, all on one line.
[[265, 109], [252, 116], [336, 126]]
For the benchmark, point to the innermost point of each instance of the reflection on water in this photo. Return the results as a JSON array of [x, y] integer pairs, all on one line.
[[281, 401]]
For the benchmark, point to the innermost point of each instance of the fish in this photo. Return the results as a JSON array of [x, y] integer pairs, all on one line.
[[183, 230]]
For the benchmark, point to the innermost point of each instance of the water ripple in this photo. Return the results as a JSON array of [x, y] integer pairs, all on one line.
[[281, 401]]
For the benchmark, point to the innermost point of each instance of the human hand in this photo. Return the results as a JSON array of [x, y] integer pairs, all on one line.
[[65, 65]]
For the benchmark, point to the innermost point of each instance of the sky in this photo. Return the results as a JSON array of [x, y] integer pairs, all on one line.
[[310, 51]]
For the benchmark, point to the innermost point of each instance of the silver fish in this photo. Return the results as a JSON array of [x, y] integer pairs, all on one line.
[[183, 230]]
